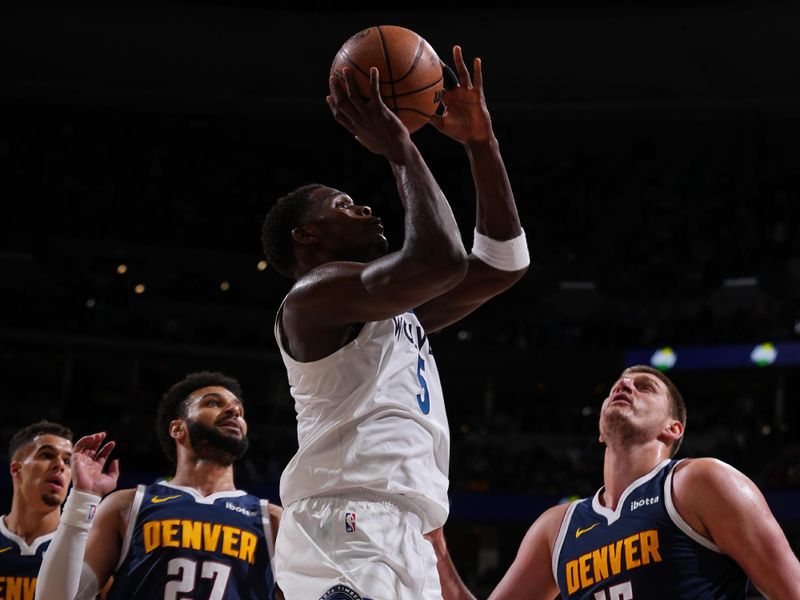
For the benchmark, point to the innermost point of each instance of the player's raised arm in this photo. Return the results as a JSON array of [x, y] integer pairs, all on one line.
[[64, 574], [336, 250], [431, 259], [499, 254]]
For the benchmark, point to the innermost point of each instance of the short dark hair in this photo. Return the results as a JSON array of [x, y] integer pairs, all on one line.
[[27, 434], [276, 230], [677, 405], [173, 403]]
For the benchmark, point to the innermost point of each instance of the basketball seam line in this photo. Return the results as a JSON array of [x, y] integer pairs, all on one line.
[[388, 64]]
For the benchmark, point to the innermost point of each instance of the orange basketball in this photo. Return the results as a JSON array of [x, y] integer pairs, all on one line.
[[409, 68]]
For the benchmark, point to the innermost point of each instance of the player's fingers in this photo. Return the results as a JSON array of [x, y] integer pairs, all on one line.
[[102, 455], [113, 470], [477, 77], [461, 67], [336, 87], [89, 443], [352, 89], [375, 86]]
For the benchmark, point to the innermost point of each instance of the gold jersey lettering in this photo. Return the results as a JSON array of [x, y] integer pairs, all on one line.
[[169, 528], [630, 551], [192, 534], [17, 588], [649, 543], [573, 580], [612, 559], [197, 535]]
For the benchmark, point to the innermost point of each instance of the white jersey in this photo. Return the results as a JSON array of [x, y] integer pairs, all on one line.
[[371, 416]]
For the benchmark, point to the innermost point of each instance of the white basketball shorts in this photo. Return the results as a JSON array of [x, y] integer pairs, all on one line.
[[350, 548]]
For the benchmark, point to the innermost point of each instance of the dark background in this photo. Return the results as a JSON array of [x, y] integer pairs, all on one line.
[[653, 151]]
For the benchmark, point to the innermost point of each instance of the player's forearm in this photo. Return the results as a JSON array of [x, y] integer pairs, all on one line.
[[496, 210], [431, 231], [62, 574], [453, 588]]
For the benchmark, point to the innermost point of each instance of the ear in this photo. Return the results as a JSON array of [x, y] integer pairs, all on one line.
[[15, 468], [672, 432], [177, 429], [306, 234]]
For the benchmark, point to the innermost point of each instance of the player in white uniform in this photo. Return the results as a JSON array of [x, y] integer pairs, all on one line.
[[371, 473]]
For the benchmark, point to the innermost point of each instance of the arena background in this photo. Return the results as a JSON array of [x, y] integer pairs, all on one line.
[[652, 147]]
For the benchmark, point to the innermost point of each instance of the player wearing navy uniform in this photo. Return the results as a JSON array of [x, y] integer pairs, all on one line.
[[195, 536], [371, 473], [196, 544], [40, 475], [659, 529], [643, 549]]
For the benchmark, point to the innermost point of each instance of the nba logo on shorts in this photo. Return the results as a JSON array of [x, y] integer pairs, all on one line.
[[349, 522]]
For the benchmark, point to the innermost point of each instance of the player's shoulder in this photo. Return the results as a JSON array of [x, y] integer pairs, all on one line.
[[549, 522], [119, 499], [703, 469], [703, 476]]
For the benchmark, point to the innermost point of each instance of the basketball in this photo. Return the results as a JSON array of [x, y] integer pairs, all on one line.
[[409, 69]]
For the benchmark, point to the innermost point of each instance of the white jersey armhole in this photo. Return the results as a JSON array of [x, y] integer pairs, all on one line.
[[267, 524], [132, 515], [677, 519], [562, 533]]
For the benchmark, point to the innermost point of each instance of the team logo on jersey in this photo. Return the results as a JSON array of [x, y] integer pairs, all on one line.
[[581, 531], [341, 592], [349, 522], [159, 499]]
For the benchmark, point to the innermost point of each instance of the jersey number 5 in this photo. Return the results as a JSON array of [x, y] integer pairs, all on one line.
[[187, 569], [423, 399]]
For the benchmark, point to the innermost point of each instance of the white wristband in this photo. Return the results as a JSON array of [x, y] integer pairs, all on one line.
[[508, 255], [79, 509]]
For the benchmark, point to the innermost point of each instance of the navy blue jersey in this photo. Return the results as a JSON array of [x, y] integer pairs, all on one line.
[[181, 545], [643, 550], [19, 563]]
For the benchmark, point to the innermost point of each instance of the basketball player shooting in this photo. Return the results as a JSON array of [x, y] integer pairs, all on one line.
[[370, 476]]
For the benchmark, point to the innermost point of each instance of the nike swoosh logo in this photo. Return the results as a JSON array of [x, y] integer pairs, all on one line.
[[158, 500], [6, 549], [580, 531]]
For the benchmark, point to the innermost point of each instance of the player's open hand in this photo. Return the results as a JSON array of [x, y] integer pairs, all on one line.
[[89, 456], [371, 122], [466, 118]]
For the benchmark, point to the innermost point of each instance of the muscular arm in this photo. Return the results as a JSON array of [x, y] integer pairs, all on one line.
[[530, 576], [725, 506], [453, 588], [467, 120], [74, 568], [105, 539], [431, 261]]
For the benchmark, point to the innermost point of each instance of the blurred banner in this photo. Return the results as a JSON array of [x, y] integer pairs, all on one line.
[[766, 354]]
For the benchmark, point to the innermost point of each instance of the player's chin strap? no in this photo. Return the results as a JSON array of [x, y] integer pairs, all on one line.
[[507, 255]]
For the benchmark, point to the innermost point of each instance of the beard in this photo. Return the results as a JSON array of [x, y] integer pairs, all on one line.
[[214, 446], [617, 429]]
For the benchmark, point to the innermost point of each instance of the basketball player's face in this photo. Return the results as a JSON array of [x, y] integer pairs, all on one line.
[[347, 230], [42, 470], [215, 424], [636, 410]]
